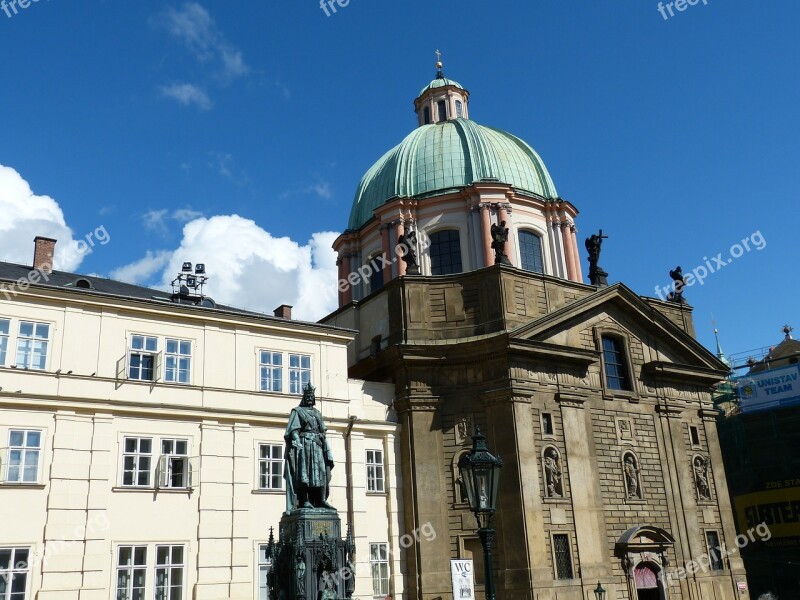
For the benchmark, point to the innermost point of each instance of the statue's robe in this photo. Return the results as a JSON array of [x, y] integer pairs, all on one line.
[[306, 466]]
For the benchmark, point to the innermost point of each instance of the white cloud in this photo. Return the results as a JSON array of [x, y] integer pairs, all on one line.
[[321, 189], [158, 220], [193, 26], [26, 215], [249, 268], [187, 94], [143, 269]]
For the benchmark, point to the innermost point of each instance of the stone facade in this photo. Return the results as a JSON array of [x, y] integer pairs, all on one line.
[[604, 476]]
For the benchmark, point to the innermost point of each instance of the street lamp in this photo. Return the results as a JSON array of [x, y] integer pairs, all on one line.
[[480, 470], [599, 592]]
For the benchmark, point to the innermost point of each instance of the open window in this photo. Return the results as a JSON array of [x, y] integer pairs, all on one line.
[[175, 469]]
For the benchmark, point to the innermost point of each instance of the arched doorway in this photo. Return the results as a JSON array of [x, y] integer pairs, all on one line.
[[646, 580], [644, 552]]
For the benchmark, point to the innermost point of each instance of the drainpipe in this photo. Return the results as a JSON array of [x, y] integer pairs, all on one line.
[[349, 473]]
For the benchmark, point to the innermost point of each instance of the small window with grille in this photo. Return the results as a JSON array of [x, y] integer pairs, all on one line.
[[563, 557], [714, 551]]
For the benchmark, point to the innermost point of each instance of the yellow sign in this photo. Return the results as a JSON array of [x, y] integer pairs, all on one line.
[[779, 509]]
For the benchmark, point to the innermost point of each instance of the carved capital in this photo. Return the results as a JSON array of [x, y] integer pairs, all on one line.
[[669, 411], [507, 394], [571, 399]]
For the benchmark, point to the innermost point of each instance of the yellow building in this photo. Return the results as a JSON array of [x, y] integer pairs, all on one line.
[[142, 441]]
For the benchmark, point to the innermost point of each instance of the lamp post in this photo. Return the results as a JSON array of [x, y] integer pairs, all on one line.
[[480, 470], [599, 592]]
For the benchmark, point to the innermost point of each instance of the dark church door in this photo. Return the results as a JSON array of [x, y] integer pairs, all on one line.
[[646, 583]]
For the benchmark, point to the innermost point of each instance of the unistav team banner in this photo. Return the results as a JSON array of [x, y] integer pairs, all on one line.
[[766, 390]]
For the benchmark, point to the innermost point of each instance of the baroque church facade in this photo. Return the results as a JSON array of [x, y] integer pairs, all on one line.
[[597, 399]]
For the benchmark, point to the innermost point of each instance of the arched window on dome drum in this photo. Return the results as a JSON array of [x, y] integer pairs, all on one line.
[[530, 251], [445, 252], [426, 115], [375, 277], [441, 106], [459, 109]]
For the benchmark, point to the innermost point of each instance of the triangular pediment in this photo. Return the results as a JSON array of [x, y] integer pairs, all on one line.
[[655, 339]]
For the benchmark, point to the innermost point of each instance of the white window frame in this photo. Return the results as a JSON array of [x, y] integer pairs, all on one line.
[[376, 472], [5, 340], [137, 455], [25, 451], [143, 352], [32, 339], [375, 565], [168, 462], [13, 571], [172, 374], [268, 463], [130, 570], [296, 387], [270, 367], [263, 567], [170, 568]]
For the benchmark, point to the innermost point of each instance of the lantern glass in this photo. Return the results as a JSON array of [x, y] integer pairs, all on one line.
[[480, 471]]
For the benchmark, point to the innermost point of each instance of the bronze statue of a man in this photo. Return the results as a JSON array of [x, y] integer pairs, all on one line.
[[307, 469]]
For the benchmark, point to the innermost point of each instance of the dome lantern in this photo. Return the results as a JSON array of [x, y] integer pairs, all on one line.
[[442, 99]]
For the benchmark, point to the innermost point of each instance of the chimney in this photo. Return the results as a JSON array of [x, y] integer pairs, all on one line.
[[284, 311], [43, 254]]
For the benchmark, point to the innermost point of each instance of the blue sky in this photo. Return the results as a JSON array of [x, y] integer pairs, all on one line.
[[160, 121]]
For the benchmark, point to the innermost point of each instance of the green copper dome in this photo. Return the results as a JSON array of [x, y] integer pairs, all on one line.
[[448, 156], [440, 82]]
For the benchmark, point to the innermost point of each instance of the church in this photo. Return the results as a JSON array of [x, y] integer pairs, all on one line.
[[460, 268]]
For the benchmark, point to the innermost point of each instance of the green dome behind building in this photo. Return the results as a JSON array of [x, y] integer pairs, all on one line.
[[446, 156]]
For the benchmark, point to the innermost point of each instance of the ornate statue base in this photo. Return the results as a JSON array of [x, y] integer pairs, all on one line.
[[311, 561]]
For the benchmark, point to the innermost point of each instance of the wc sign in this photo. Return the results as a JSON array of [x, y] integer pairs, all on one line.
[[463, 582]]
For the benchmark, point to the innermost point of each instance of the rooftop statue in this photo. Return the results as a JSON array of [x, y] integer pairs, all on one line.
[[307, 469]]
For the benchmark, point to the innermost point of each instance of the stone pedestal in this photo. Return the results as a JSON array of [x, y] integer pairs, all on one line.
[[598, 277], [311, 561]]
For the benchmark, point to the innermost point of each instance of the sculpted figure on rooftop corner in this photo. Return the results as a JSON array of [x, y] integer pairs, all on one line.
[[307, 469]]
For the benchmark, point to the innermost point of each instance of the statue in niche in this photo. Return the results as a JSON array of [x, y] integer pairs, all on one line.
[[701, 477], [463, 427], [499, 239], [461, 491], [631, 470], [300, 569], [326, 588], [552, 470], [309, 461]]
